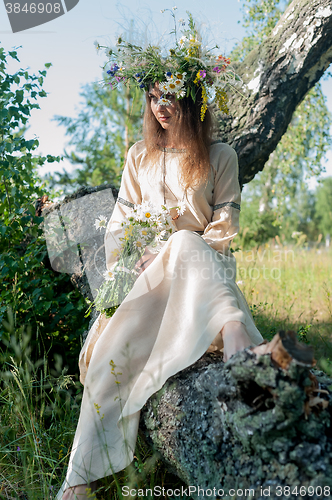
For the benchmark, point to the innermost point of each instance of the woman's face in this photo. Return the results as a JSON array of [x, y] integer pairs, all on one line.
[[165, 115]]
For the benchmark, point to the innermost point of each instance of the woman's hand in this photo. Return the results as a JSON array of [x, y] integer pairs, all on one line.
[[145, 261]]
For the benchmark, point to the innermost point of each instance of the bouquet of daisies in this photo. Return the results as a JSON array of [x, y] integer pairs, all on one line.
[[145, 225]]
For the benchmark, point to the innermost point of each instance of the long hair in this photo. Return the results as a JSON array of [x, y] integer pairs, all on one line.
[[194, 134]]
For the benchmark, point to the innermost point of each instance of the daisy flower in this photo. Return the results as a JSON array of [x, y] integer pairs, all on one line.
[[100, 222], [109, 275], [172, 86], [145, 209], [161, 236], [181, 208], [163, 87], [139, 244], [164, 102], [97, 45], [183, 40], [144, 234]]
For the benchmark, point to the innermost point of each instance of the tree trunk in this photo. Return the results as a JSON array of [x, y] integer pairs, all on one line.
[[246, 426], [277, 75]]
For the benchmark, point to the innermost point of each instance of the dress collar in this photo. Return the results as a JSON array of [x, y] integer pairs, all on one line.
[[171, 150]]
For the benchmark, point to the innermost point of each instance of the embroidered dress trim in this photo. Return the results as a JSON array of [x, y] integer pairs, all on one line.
[[227, 204], [171, 150], [125, 202]]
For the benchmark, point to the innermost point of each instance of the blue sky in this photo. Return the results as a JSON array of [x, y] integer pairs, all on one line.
[[67, 42]]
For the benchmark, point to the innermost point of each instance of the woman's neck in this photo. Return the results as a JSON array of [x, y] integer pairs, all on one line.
[[170, 140]]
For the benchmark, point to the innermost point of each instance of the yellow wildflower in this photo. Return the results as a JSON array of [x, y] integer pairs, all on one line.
[[204, 105], [222, 99]]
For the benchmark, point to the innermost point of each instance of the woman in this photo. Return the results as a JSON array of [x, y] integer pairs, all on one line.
[[185, 300], [169, 319]]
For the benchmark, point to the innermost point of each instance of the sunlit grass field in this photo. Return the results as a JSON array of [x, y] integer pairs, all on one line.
[[290, 288], [286, 288]]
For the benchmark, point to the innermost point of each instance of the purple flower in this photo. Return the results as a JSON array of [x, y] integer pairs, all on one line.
[[168, 73], [216, 69], [142, 86], [202, 73], [18, 449]]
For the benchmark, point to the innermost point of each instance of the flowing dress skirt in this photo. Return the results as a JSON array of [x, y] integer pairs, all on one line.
[[169, 319]]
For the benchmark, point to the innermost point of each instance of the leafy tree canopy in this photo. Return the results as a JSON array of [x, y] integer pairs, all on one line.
[[29, 287], [105, 128], [324, 206]]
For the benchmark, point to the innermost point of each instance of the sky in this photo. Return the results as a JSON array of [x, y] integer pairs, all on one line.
[[67, 42]]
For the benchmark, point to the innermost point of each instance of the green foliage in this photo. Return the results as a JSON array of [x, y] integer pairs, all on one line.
[[38, 297], [38, 414], [257, 226], [39, 410], [324, 206], [106, 127]]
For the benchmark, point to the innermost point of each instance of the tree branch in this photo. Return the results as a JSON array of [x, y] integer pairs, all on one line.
[[277, 76]]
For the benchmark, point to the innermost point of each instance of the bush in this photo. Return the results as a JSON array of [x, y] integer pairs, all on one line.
[[37, 296]]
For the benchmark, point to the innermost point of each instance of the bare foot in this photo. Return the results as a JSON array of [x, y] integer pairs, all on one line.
[[79, 492], [235, 338]]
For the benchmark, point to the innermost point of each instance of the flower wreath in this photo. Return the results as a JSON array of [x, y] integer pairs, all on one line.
[[188, 67]]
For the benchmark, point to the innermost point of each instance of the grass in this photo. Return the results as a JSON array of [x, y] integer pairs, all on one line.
[[290, 289], [286, 288]]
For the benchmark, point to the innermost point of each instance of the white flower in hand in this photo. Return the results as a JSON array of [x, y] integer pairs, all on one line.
[[139, 244], [181, 208], [109, 275], [100, 222], [161, 236]]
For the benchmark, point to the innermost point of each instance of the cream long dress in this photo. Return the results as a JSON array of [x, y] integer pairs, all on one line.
[[171, 316]]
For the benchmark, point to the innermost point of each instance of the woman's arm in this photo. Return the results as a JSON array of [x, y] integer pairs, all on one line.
[[226, 200], [129, 195]]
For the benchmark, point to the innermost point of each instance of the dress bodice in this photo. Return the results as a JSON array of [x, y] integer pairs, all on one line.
[[212, 208]]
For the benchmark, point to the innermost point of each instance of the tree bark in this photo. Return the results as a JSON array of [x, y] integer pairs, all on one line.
[[244, 425], [277, 75]]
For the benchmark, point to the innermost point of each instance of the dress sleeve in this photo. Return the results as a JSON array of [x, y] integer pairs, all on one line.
[[129, 195], [224, 225]]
